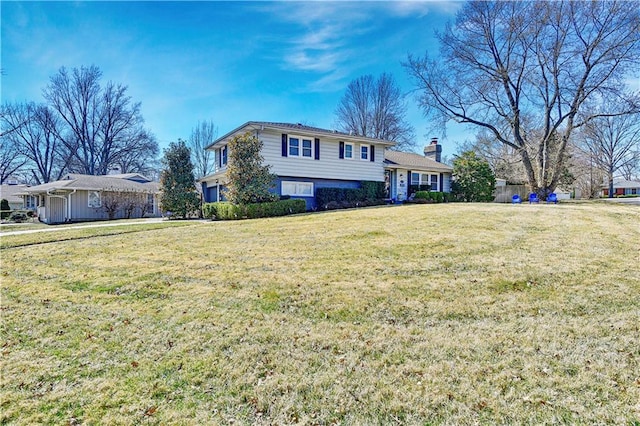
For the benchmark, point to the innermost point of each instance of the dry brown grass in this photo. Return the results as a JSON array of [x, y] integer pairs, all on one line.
[[425, 314]]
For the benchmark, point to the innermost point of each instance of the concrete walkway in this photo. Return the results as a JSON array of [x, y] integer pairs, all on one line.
[[54, 228]]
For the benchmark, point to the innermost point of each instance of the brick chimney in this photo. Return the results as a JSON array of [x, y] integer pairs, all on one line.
[[433, 150]]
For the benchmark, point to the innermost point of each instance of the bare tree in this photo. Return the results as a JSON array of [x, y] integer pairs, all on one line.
[[202, 136], [11, 159], [141, 158], [102, 125], [504, 160], [36, 139], [375, 109], [613, 142], [526, 71]]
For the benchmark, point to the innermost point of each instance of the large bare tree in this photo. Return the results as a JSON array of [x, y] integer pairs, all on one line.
[[202, 136], [613, 144], [375, 108], [35, 139], [11, 160], [101, 124], [528, 71]]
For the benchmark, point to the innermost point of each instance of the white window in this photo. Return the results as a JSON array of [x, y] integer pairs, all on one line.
[[225, 152], [300, 147], [306, 148], [348, 150], [434, 182], [415, 179], [364, 152], [294, 147], [94, 199], [30, 202], [299, 189]]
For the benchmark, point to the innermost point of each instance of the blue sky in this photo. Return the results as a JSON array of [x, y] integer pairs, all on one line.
[[229, 62]]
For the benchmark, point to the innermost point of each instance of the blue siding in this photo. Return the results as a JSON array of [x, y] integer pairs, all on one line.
[[211, 193], [317, 183]]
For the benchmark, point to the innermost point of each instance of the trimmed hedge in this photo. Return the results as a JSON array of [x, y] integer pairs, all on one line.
[[228, 211], [369, 193], [422, 197]]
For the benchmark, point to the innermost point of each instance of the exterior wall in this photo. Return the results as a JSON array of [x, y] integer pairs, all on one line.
[[56, 210], [329, 166], [210, 193], [400, 180], [317, 183], [80, 209]]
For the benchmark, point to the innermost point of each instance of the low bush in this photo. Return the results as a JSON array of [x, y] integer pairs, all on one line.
[[422, 197], [18, 217], [228, 211], [5, 209], [369, 194]]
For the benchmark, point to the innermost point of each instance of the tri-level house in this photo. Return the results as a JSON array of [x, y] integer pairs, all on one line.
[[305, 158]]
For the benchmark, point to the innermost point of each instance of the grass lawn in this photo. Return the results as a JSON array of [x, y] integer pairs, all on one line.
[[423, 314]]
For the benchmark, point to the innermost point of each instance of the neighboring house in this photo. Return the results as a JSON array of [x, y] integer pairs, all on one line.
[[79, 197], [12, 192], [406, 172], [303, 158], [622, 187]]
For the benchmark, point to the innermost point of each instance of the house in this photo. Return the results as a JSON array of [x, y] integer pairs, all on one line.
[[407, 172], [78, 197], [622, 187], [303, 158], [11, 193]]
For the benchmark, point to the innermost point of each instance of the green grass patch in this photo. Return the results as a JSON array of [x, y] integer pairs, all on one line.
[[421, 314]]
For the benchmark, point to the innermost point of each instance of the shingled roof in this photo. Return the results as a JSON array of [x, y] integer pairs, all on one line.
[[94, 183], [287, 127], [409, 160]]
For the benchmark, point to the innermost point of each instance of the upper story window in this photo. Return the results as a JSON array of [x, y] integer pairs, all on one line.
[[300, 147], [306, 148], [348, 150], [364, 152], [225, 155]]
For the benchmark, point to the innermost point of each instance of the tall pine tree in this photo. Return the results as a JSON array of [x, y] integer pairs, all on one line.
[[177, 182]]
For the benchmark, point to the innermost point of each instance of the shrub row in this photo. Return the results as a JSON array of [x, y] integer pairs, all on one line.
[[369, 193], [335, 205], [228, 211], [422, 197]]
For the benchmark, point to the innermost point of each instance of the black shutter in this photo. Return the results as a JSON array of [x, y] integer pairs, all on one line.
[[219, 152], [341, 150], [284, 145], [316, 146], [373, 153], [441, 182]]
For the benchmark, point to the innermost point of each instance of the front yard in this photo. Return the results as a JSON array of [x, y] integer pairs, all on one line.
[[423, 314]]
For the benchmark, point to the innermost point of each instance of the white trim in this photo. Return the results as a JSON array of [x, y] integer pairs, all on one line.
[[301, 140], [296, 189], [353, 148], [89, 204], [367, 154]]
